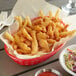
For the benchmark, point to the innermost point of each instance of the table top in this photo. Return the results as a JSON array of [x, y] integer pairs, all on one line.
[[9, 68]]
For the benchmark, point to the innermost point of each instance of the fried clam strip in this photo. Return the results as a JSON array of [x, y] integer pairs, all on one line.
[[56, 33], [34, 43], [44, 25], [44, 44], [26, 34], [53, 25], [46, 22], [14, 45], [50, 31], [68, 33], [51, 41], [25, 49], [28, 29], [37, 28], [41, 35], [43, 29], [42, 40], [8, 36], [59, 26], [17, 38]]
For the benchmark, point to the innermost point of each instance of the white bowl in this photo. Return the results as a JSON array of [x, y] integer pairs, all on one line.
[[62, 60]]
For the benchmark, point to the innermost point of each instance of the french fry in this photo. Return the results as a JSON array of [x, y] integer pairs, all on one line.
[[41, 14], [25, 22], [28, 21], [28, 42], [34, 43], [50, 14], [14, 45], [69, 33], [59, 25], [28, 29], [37, 21], [8, 36], [46, 21], [57, 13], [25, 34]]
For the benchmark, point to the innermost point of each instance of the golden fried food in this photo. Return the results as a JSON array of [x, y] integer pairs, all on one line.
[[34, 43], [41, 14], [39, 34], [44, 44], [8, 36], [26, 34]]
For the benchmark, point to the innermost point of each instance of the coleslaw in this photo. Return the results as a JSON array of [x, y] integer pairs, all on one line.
[[70, 59]]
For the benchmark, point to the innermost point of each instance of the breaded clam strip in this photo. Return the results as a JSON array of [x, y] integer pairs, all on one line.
[[44, 44], [21, 45], [25, 48], [51, 41], [17, 39], [34, 43], [49, 31], [8, 36]]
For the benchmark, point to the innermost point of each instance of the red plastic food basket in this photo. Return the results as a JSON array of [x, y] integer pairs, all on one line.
[[33, 61], [36, 60]]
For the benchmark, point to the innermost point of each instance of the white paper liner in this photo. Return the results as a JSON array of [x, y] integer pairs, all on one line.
[[31, 8], [71, 20]]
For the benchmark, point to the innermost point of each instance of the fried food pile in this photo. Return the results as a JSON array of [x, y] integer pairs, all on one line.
[[39, 34]]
